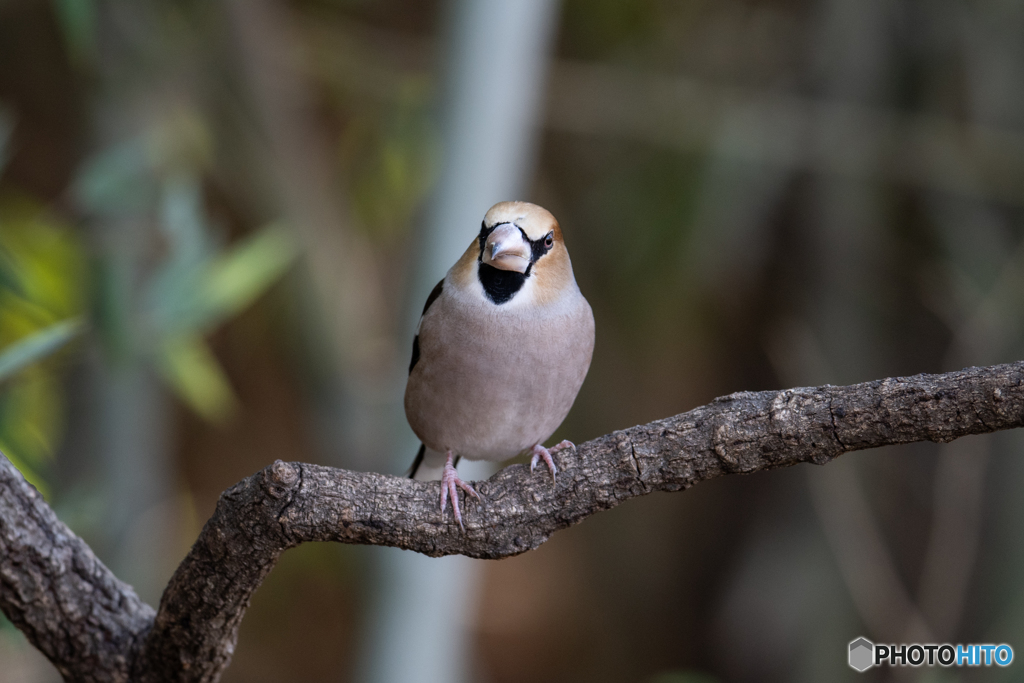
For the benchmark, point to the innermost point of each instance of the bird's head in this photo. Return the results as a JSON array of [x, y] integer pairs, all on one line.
[[520, 248], [524, 240], [520, 236]]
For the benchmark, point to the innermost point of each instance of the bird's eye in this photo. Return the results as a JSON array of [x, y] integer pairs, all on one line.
[[549, 241]]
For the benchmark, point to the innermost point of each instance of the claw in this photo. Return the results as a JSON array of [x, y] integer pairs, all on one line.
[[450, 485], [539, 452]]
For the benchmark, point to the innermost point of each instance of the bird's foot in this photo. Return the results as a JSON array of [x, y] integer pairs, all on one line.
[[450, 484], [540, 452]]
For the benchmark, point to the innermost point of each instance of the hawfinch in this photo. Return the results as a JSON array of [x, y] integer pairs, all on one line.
[[500, 352]]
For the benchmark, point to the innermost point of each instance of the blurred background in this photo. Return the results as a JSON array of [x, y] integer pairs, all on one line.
[[219, 221]]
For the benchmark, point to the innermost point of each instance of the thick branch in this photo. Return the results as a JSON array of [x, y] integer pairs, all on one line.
[[53, 588], [286, 504]]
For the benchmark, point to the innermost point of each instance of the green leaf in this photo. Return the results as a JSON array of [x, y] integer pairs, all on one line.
[[187, 363], [182, 219], [37, 346], [173, 296], [31, 407], [117, 180], [234, 280]]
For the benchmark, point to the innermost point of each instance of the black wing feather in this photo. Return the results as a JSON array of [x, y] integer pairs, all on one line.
[[420, 454], [432, 297], [434, 293], [417, 462]]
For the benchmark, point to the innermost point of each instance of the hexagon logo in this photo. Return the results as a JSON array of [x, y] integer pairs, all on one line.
[[862, 654]]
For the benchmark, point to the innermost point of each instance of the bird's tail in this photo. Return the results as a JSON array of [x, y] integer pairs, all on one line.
[[428, 465]]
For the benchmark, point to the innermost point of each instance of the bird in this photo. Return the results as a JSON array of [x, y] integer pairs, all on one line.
[[500, 352]]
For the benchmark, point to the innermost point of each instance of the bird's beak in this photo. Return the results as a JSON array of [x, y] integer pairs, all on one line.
[[506, 249]]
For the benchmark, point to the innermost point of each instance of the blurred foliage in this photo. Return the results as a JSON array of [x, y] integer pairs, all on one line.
[[196, 286], [197, 283], [189, 304], [36, 346], [194, 373], [42, 277], [393, 156], [389, 146], [42, 281], [126, 177], [77, 20]]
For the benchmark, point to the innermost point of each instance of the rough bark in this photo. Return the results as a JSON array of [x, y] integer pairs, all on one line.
[[52, 587], [94, 628]]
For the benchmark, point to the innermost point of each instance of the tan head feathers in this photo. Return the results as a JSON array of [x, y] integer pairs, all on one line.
[[535, 221]]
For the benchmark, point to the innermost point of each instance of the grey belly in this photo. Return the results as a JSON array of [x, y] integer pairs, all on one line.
[[490, 394]]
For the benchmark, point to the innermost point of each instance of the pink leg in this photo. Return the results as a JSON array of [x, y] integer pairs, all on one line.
[[541, 452], [450, 484]]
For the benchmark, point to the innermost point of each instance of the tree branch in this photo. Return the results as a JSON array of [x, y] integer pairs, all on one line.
[[91, 625], [52, 587]]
